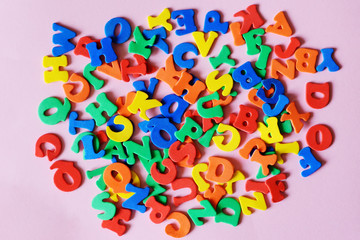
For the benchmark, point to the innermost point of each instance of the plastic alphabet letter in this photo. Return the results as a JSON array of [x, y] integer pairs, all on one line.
[[66, 168], [141, 44], [159, 211], [271, 132], [112, 70], [108, 208], [105, 105], [164, 178], [177, 114], [89, 149], [258, 203], [278, 90], [281, 148], [62, 39], [56, 74], [295, 117], [254, 143], [252, 42], [213, 23], [106, 50], [203, 45], [293, 45], [233, 143], [187, 130], [306, 59], [278, 108], [62, 110], [114, 224], [184, 183], [80, 48], [281, 26], [200, 182], [309, 162], [54, 140], [140, 86], [134, 200], [223, 57], [118, 186], [125, 30], [246, 120], [122, 135], [135, 148], [288, 70], [264, 161], [212, 112], [224, 82], [186, 20], [94, 81], [178, 152], [234, 205], [317, 102], [161, 20], [142, 103], [227, 170], [208, 211], [160, 34], [246, 76], [179, 52], [182, 230], [328, 62], [81, 95], [192, 90], [251, 18], [157, 126], [324, 142]]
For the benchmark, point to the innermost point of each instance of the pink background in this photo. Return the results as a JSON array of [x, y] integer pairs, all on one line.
[[322, 206]]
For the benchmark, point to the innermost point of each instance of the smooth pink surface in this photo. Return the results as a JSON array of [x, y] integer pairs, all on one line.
[[322, 206]]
